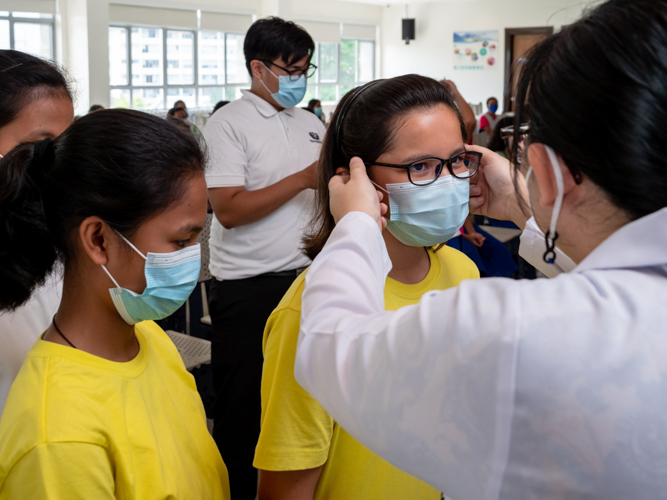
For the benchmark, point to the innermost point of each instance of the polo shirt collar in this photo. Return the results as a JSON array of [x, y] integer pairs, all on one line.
[[264, 108]]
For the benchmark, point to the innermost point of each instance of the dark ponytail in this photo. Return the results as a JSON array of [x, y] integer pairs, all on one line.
[[596, 92], [22, 78], [120, 165]]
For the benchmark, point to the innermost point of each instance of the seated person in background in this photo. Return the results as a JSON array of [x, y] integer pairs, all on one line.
[[178, 112], [488, 120], [315, 106], [103, 407], [95, 107], [302, 453], [219, 105], [490, 255], [181, 104]]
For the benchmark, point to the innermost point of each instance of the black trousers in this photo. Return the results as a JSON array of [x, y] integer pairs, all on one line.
[[239, 311]]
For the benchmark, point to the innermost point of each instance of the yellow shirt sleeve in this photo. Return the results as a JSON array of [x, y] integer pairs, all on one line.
[[296, 431], [67, 471]]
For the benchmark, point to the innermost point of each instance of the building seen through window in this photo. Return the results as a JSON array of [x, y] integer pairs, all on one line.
[[150, 68], [29, 32]]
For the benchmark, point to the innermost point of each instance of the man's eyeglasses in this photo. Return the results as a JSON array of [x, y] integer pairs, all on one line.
[[427, 170], [295, 74]]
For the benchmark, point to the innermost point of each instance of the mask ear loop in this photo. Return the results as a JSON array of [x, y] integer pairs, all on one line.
[[133, 248], [551, 236]]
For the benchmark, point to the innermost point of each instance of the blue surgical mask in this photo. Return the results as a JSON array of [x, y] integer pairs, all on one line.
[[170, 279], [318, 112], [290, 93], [425, 216], [493, 108]]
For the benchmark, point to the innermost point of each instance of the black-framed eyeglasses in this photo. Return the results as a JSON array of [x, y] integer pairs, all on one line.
[[294, 74], [426, 171]]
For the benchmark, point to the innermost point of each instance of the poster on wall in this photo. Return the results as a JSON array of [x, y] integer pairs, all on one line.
[[475, 49]]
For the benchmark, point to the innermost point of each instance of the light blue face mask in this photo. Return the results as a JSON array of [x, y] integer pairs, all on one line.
[[170, 279], [290, 93], [318, 112], [425, 216]]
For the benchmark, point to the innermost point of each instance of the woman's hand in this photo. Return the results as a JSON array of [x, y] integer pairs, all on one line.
[[354, 192], [495, 195]]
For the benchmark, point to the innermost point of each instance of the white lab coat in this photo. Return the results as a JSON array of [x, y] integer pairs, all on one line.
[[500, 389]]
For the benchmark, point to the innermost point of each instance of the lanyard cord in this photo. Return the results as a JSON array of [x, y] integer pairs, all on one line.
[[61, 333]]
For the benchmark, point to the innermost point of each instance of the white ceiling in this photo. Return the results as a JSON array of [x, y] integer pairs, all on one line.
[[404, 2]]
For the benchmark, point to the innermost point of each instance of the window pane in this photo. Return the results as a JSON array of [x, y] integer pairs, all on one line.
[[211, 58], [35, 39], [4, 13], [147, 59], [366, 61], [328, 62], [26, 15], [348, 49], [185, 95], [209, 96], [234, 93], [4, 35], [118, 56], [180, 57], [328, 93], [310, 94], [236, 70], [148, 99], [344, 89], [120, 98], [316, 61]]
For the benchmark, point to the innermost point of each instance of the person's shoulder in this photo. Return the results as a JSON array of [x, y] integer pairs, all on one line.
[[231, 113], [456, 264], [283, 323], [292, 298], [306, 116]]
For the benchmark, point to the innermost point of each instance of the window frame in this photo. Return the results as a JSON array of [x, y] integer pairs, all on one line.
[[13, 19], [196, 86], [337, 83]]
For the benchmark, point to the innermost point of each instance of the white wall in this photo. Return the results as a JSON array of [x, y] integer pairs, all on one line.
[[432, 52]]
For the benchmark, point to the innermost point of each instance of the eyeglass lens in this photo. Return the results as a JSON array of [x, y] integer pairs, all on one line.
[[427, 171]]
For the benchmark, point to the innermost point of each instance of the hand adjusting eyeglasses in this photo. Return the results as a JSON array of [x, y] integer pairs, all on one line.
[[426, 171]]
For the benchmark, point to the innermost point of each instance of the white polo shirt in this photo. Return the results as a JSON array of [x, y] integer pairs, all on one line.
[[251, 144]]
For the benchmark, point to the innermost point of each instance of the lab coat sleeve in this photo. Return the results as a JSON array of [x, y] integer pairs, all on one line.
[[532, 249], [429, 387]]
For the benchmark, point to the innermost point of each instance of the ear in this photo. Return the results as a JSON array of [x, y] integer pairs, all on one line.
[[256, 68], [342, 170], [538, 159], [94, 236]]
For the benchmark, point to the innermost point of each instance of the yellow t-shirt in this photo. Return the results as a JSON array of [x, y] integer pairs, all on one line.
[[297, 433], [77, 426]]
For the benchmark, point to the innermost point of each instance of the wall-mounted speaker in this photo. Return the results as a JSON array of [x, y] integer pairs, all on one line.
[[408, 30]]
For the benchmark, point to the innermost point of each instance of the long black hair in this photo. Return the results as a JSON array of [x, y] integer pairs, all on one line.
[[366, 128], [596, 92], [23, 78], [120, 165]]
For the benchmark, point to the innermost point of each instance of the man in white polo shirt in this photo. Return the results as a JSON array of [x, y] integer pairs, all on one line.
[[263, 154]]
